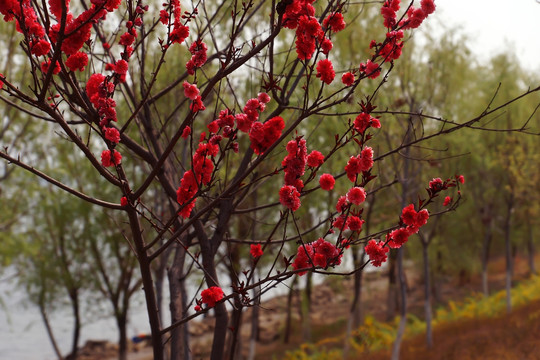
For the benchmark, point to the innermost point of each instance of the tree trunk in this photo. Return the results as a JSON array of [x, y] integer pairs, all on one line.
[[121, 322], [48, 327], [530, 247], [179, 339], [255, 323], [485, 258], [403, 297], [392, 297], [508, 247], [306, 309], [74, 296], [355, 313], [286, 336], [427, 295]]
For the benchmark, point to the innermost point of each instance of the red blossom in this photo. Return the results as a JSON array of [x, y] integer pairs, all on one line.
[[256, 250], [398, 237], [41, 47], [325, 71], [347, 79], [376, 252], [289, 197], [263, 98], [197, 105], [112, 134], [334, 21], [106, 158], [262, 136], [211, 296], [123, 201], [190, 90], [326, 46], [447, 200], [356, 195], [327, 182], [315, 158], [77, 61], [45, 67], [186, 132], [371, 69], [354, 223], [461, 179]]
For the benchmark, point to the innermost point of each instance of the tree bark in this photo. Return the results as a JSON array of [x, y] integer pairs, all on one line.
[[427, 294], [179, 335], [508, 247], [286, 336], [530, 247], [485, 258]]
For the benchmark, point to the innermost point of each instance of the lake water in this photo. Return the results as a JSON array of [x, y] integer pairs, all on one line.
[[23, 335]]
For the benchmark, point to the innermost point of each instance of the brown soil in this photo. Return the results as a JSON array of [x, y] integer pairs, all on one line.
[[330, 307]]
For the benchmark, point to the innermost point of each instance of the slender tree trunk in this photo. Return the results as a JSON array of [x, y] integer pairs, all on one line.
[[355, 312], [175, 274], [508, 247], [437, 282], [427, 294], [403, 313], [485, 258], [286, 336], [255, 324], [306, 309], [74, 296], [148, 285], [48, 327], [121, 322], [392, 297], [530, 246]]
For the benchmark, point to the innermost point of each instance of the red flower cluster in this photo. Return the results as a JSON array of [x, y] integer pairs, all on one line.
[[447, 200], [360, 163], [77, 61], [307, 33], [320, 253], [363, 121], [98, 89], [327, 182], [245, 120], [415, 16], [201, 173], [198, 56], [190, 90], [180, 32], [295, 10], [414, 220], [108, 160], [263, 135], [388, 11], [356, 195], [256, 250], [294, 163], [334, 21], [371, 69], [325, 71], [289, 197], [211, 296], [393, 47], [347, 79], [315, 159], [45, 67], [376, 252]]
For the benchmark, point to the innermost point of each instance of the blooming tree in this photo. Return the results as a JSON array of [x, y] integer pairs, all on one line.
[[157, 100]]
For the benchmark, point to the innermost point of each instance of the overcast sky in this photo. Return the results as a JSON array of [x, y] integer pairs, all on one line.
[[495, 26]]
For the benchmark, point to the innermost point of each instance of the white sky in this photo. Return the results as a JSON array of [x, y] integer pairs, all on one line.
[[496, 26]]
